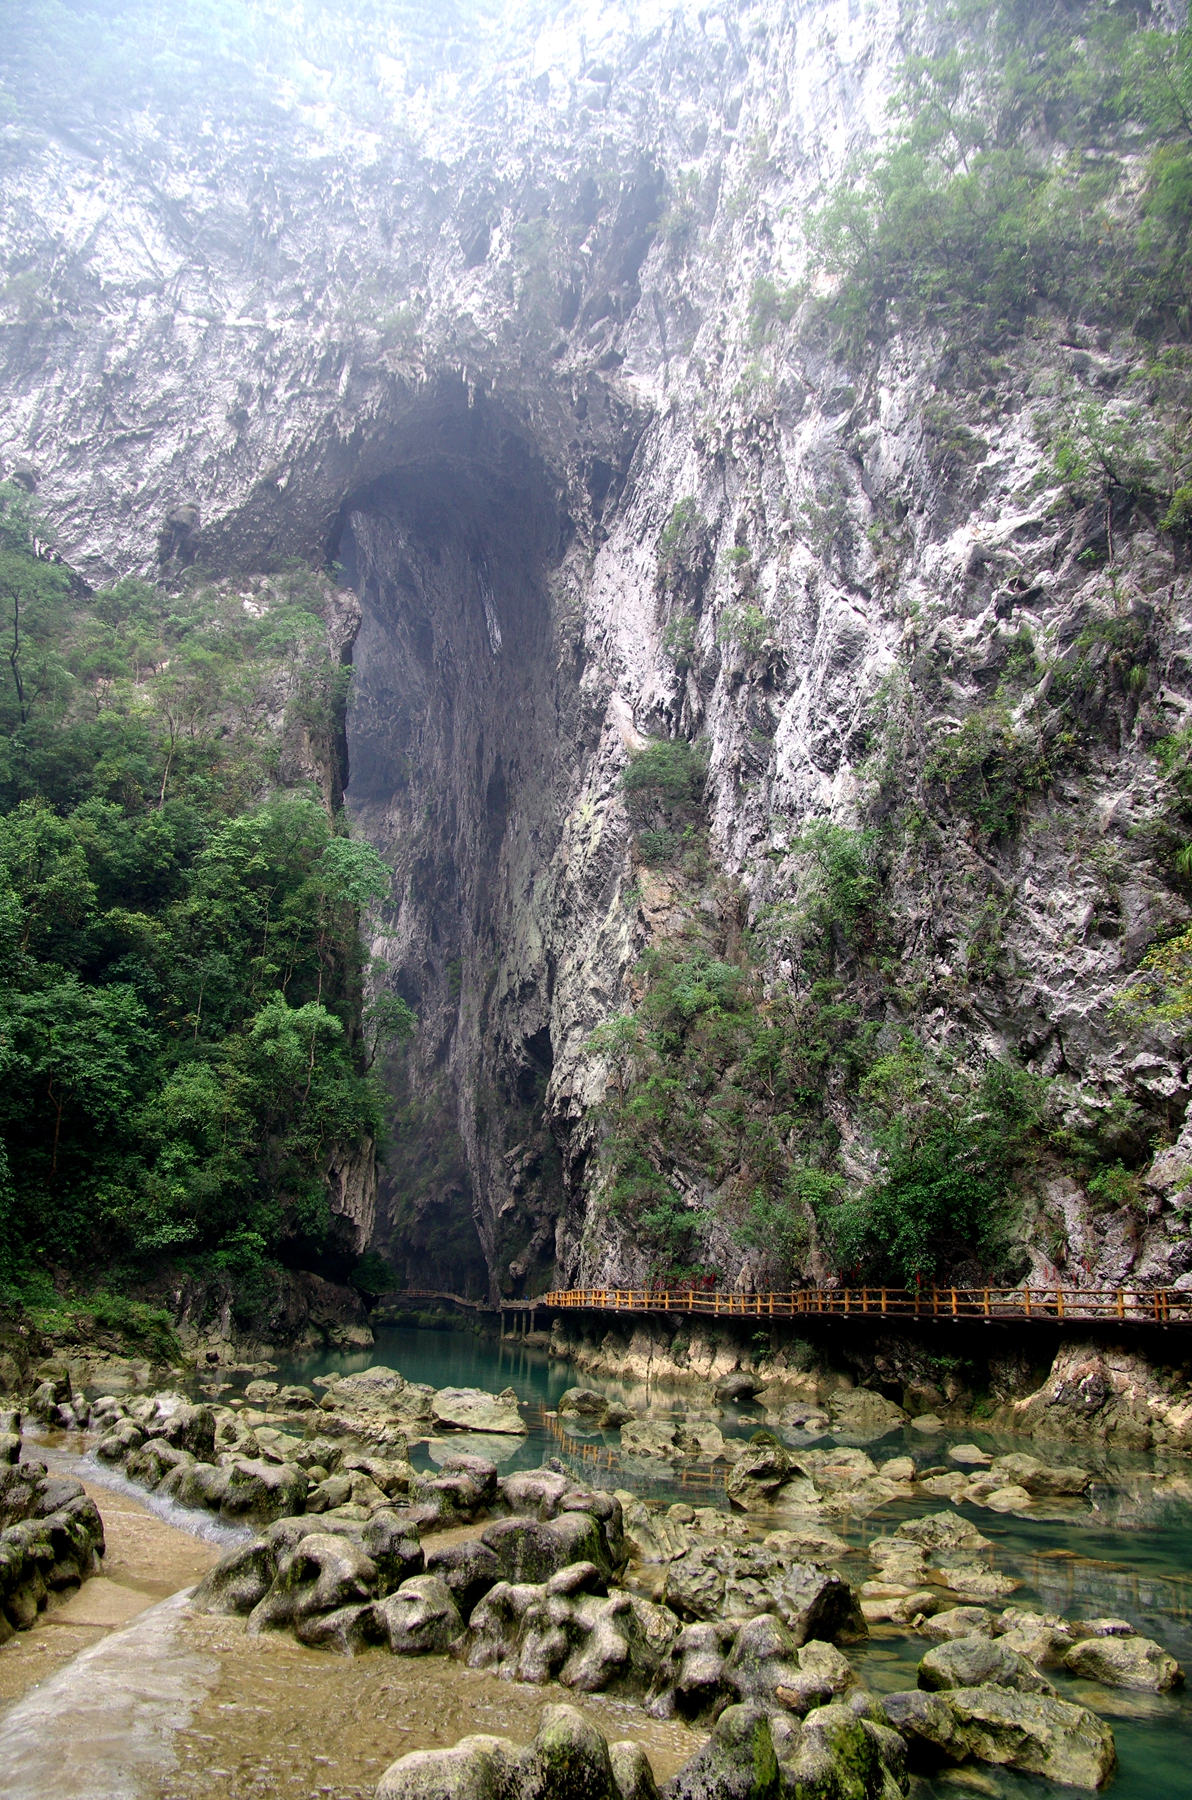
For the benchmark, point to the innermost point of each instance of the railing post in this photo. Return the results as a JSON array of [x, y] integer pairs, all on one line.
[[1059, 1302], [1026, 1301], [935, 1302], [986, 1291], [883, 1299], [954, 1312]]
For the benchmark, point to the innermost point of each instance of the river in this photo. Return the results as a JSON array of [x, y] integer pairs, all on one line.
[[1127, 1551]]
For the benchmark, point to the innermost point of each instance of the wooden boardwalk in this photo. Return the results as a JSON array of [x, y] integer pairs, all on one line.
[[1036, 1305], [1122, 1306]]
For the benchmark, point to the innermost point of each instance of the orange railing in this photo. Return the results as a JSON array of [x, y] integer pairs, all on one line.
[[1136, 1306]]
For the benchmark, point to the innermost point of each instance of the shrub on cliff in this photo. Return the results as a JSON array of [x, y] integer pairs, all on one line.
[[1009, 181]]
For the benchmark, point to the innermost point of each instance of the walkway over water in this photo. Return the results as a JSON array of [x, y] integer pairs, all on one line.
[[1132, 1306], [1039, 1305]]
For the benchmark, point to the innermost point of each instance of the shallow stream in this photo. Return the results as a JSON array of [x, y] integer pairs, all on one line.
[[1128, 1552]]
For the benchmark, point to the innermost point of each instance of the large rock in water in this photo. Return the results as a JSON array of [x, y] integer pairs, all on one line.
[[470, 1409], [1127, 1662], [1042, 1480], [860, 1416], [972, 1661], [760, 1475], [585, 1402], [1035, 1733]]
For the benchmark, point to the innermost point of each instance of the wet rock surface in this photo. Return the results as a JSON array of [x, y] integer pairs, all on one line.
[[51, 1540]]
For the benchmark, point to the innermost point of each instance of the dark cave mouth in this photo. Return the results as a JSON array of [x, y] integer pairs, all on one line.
[[452, 735]]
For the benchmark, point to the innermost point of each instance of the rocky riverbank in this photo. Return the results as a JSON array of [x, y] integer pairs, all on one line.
[[753, 1622], [1128, 1392]]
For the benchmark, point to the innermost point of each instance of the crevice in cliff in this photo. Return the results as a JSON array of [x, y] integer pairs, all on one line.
[[458, 714]]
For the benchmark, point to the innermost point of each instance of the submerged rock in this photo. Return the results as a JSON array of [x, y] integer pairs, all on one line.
[[959, 1622]]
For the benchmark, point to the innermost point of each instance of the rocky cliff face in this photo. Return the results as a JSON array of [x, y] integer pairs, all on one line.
[[478, 355]]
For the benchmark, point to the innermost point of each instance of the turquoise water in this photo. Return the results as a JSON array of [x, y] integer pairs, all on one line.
[[1128, 1553]]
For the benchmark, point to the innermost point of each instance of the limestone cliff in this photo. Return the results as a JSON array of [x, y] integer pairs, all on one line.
[[485, 354]]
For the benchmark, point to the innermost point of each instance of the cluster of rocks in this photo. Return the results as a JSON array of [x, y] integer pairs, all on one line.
[[790, 1721], [1023, 1642], [51, 1534], [741, 1634], [981, 1691], [289, 1452], [845, 1481], [928, 1564], [568, 1758], [842, 1749], [699, 1613], [534, 1595], [1096, 1392]]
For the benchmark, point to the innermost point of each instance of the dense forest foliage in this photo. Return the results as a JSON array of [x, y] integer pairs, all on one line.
[[182, 1040]]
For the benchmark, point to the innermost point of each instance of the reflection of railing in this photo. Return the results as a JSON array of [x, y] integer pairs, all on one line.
[[1133, 1306]]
